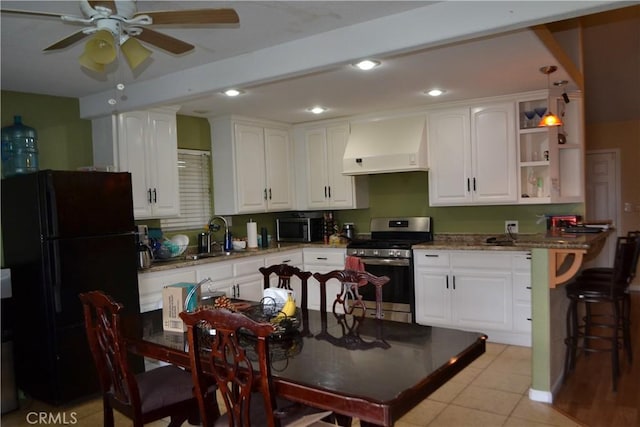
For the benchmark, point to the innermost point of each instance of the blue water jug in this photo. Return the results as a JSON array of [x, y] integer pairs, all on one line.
[[19, 148]]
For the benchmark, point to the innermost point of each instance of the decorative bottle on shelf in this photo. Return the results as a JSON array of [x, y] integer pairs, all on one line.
[[19, 148]]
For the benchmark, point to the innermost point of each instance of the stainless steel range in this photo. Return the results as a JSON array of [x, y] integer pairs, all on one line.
[[388, 253]]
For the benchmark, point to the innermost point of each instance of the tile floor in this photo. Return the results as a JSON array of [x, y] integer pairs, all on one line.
[[492, 391]]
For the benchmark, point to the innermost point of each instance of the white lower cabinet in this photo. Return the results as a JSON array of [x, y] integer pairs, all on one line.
[[293, 258], [323, 260], [150, 285], [473, 290]]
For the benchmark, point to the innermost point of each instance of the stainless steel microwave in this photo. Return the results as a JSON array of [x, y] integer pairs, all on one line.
[[298, 229]]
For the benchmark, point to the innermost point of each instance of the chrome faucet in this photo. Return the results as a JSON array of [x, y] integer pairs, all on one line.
[[226, 244]]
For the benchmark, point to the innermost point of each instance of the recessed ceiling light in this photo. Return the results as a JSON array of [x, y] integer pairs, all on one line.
[[233, 92], [435, 92], [367, 64], [317, 109]]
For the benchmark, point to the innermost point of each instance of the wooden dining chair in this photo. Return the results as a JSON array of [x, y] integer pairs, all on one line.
[[285, 272], [349, 298], [220, 342], [149, 396]]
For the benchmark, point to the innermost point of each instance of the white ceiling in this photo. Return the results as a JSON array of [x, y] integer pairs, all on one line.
[[279, 57]]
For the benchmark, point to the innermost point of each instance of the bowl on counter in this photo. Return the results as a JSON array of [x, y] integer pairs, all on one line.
[[239, 245]]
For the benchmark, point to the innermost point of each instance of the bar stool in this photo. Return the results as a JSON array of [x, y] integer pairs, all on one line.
[[608, 290]]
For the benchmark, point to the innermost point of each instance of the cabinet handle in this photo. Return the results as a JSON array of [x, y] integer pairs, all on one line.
[[529, 319], [454, 283], [149, 193], [155, 196], [447, 282], [269, 193], [468, 185], [285, 261], [329, 191], [322, 258], [528, 287], [431, 255], [265, 194], [325, 191], [474, 183]]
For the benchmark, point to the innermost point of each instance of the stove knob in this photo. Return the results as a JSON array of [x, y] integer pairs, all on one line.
[[361, 252], [376, 252]]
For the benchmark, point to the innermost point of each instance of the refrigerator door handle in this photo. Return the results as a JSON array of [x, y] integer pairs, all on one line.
[[55, 278]]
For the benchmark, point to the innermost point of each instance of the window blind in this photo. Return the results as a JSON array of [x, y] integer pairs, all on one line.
[[194, 174]]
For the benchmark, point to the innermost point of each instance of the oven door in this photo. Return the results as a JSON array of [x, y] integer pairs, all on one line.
[[397, 295]]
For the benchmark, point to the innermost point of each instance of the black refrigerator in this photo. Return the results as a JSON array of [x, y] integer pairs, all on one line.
[[64, 233]]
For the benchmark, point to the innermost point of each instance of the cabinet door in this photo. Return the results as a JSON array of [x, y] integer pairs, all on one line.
[[481, 299], [278, 168], [317, 180], [150, 286], [250, 168], [340, 186], [163, 164], [450, 180], [494, 153], [132, 158], [433, 296]]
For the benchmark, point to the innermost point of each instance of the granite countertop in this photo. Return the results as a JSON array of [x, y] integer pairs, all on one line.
[[186, 261], [522, 241], [444, 241]]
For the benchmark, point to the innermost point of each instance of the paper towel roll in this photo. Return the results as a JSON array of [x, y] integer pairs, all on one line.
[[252, 235]]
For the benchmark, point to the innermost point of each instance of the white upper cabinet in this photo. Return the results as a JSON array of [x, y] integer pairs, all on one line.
[[472, 155], [145, 144], [319, 156], [252, 167]]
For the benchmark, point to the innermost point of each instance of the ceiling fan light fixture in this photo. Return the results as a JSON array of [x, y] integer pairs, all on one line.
[[89, 64], [549, 119], [101, 48], [134, 52]]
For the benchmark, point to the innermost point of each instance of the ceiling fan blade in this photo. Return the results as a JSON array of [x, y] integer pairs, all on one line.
[[67, 41], [28, 12], [109, 4], [193, 16], [163, 41]]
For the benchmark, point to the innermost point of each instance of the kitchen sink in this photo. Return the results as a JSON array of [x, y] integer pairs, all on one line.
[[492, 241], [206, 255]]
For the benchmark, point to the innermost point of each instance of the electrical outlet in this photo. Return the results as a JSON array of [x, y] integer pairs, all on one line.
[[511, 226]]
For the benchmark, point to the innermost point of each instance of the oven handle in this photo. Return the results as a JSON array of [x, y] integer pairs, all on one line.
[[400, 262]]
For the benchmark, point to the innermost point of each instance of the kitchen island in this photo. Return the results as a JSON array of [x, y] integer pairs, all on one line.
[[555, 259]]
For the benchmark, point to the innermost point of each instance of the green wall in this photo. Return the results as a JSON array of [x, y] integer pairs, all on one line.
[[64, 140], [65, 143]]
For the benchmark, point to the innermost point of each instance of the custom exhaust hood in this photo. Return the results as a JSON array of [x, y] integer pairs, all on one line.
[[397, 144]]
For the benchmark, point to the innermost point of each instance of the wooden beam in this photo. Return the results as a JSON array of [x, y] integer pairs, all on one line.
[[547, 38]]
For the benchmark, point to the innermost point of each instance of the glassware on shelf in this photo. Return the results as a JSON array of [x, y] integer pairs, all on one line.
[[529, 115], [540, 111]]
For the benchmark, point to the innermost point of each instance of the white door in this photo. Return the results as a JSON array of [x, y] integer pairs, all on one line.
[[603, 197]]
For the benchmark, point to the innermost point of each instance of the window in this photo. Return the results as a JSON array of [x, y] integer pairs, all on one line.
[[194, 173]]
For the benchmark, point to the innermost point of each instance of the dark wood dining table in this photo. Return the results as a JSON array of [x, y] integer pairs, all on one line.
[[374, 370]]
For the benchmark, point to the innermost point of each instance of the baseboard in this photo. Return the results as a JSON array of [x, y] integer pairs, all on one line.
[[540, 396]]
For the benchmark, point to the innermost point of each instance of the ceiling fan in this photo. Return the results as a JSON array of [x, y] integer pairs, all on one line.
[[117, 23]]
